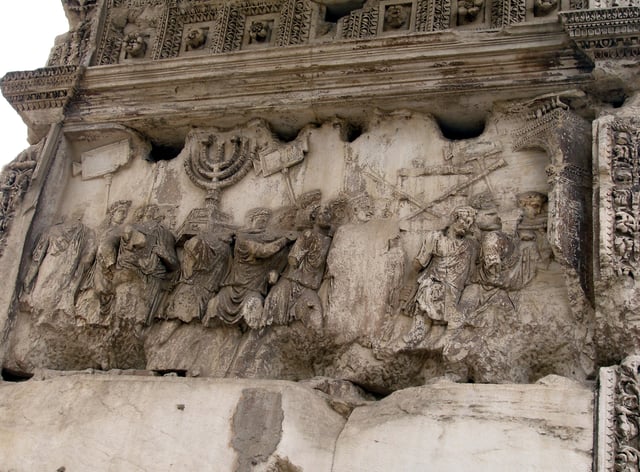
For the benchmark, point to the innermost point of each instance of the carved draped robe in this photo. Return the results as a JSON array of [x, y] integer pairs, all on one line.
[[61, 259], [447, 265], [255, 255], [206, 261], [146, 261], [300, 282]]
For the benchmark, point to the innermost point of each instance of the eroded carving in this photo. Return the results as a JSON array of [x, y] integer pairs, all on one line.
[[294, 296], [15, 180], [59, 264], [258, 260], [445, 260], [145, 265]]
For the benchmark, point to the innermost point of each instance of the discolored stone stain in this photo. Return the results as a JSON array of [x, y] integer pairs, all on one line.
[[256, 427]]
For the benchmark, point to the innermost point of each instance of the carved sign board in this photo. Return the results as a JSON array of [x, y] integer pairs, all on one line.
[[105, 159], [283, 158]]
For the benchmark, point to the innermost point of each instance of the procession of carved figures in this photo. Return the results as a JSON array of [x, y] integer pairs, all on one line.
[[269, 271], [443, 260], [272, 271]]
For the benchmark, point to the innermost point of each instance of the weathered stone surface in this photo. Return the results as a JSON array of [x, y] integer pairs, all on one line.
[[474, 427], [374, 196], [105, 423]]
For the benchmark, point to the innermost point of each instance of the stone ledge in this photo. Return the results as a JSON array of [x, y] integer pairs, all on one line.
[[89, 422]]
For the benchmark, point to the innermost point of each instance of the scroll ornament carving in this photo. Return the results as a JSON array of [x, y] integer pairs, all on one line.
[[624, 200], [620, 412]]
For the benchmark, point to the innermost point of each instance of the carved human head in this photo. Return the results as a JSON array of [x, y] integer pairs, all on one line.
[[258, 218], [487, 218], [396, 16], [362, 207], [118, 211], [150, 212], [338, 210], [135, 45], [462, 219], [196, 37], [259, 31], [308, 209], [532, 203]]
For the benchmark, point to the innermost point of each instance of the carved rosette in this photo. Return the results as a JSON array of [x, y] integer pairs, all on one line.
[[618, 441]]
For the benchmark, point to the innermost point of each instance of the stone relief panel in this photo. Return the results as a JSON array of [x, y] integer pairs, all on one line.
[[247, 255]]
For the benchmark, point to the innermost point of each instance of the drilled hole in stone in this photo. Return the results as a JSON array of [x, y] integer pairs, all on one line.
[[461, 129], [10, 375], [354, 131], [160, 152]]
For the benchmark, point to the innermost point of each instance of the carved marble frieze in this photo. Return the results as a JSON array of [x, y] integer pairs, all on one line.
[[15, 180], [280, 262]]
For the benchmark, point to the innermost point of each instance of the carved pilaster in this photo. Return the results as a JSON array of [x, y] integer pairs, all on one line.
[[618, 442], [618, 177]]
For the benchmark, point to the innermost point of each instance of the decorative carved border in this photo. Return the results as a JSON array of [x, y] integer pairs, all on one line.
[[607, 33], [508, 12], [174, 26], [619, 174], [618, 417], [48, 87]]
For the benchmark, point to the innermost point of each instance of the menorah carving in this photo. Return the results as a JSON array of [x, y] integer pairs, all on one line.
[[215, 161]]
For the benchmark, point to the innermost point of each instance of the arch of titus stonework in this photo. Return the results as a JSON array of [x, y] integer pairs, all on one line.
[[325, 235]]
